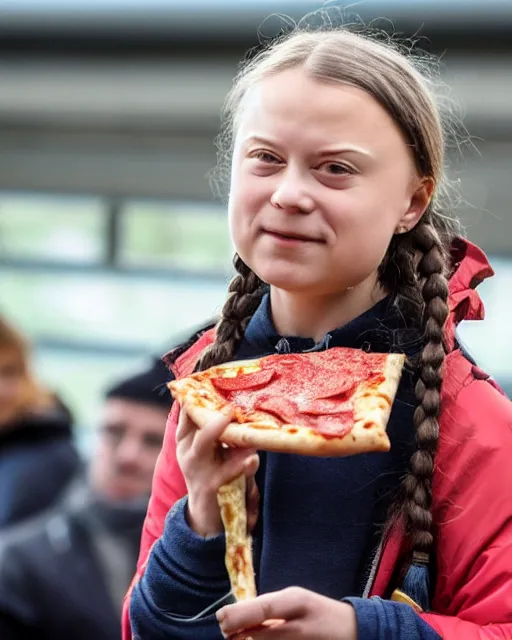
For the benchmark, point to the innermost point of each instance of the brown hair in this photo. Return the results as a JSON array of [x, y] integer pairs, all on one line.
[[415, 268], [32, 395]]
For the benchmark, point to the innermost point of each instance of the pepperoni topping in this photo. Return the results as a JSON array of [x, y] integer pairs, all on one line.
[[331, 427], [313, 389], [326, 406], [244, 380], [283, 408]]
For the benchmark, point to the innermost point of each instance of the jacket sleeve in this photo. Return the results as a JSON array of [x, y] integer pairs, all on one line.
[[473, 506], [184, 582], [378, 618], [168, 487]]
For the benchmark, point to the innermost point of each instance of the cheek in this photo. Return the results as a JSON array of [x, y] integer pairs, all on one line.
[[363, 217], [245, 201], [102, 466], [363, 228], [104, 456]]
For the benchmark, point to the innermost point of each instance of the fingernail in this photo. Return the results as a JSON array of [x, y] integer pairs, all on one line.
[[221, 614]]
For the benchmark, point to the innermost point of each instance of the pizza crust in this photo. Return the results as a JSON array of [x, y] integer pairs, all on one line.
[[238, 560], [295, 438]]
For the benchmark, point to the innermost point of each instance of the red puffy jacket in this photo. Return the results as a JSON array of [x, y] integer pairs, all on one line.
[[472, 485]]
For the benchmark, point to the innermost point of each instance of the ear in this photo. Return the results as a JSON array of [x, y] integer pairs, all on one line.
[[420, 199]]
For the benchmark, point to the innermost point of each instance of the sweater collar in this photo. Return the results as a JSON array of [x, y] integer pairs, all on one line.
[[380, 329]]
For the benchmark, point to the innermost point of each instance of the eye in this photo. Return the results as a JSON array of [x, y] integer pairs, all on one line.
[[114, 432], [266, 157], [336, 169]]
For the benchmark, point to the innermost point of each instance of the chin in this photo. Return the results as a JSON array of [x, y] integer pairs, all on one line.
[[288, 278]]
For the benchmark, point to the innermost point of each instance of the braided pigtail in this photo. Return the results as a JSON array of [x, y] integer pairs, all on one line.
[[245, 293], [433, 285], [398, 273]]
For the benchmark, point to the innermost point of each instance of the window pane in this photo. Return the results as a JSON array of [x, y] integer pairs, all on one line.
[[136, 316], [102, 307], [172, 234], [59, 228]]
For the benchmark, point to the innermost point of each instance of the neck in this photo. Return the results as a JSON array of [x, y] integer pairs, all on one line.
[[309, 316]]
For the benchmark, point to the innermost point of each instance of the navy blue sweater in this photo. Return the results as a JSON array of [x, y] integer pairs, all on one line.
[[308, 506]]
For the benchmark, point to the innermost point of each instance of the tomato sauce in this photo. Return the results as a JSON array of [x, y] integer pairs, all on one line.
[[313, 389]]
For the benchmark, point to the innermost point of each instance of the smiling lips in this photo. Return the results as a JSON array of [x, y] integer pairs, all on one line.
[[297, 237]]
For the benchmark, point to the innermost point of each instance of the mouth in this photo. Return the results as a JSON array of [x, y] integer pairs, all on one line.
[[290, 236]]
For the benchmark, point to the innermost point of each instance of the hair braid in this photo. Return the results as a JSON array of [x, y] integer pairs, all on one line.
[[398, 273], [433, 284], [244, 295]]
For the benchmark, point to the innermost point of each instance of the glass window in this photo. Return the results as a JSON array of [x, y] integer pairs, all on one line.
[[188, 236], [140, 312], [48, 227], [90, 329]]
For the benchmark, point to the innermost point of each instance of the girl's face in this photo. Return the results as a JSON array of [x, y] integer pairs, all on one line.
[[321, 179]]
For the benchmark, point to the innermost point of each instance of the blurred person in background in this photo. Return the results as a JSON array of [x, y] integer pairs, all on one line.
[[64, 575], [37, 455]]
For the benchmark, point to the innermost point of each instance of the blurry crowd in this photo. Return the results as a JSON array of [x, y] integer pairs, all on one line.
[[69, 527]]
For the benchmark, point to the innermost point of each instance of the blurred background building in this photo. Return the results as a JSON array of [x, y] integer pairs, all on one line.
[[111, 243]]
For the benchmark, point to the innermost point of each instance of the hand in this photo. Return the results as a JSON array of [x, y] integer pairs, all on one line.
[[290, 614], [207, 465]]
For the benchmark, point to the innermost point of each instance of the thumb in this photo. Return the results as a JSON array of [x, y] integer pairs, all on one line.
[[208, 435]]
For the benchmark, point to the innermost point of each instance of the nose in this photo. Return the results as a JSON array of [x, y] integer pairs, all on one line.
[[128, 452], [291, 194]]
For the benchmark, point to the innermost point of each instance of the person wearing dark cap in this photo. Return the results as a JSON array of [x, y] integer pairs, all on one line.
[[64, 574]]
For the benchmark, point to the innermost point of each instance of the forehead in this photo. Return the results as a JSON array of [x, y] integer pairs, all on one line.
[[295, 107]]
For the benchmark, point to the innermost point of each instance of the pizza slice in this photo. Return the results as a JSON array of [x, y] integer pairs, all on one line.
[[331, 403]]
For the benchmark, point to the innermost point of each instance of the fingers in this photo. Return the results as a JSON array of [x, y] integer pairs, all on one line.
[[237, 462], [282, 605], [270, 630], [252, 463], [211, 432], [207, 465], [186, 428], [207, 438]]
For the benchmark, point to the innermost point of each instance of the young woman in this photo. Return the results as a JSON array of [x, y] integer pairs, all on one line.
[[335, 208]]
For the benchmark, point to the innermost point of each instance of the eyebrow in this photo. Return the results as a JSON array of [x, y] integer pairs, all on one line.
[[349, 148]]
